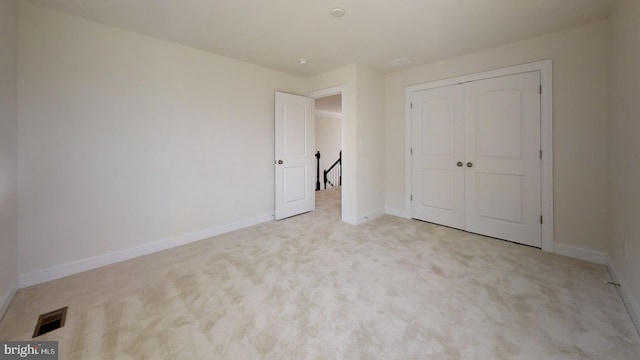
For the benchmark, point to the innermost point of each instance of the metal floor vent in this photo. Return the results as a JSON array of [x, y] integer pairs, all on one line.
[[50, 321]]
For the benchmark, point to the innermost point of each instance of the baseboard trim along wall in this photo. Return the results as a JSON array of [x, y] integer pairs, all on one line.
[[57, 272], [396, 212], [370, 216], [4, 305], [632, 304], [349, 220], [597, 257]]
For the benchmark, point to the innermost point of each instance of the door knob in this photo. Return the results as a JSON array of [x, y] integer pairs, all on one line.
[[459, 163], [280, 162], [469, 164]]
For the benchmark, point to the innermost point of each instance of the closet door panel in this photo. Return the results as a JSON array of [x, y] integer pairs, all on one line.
[[502, 145], [437, 146]]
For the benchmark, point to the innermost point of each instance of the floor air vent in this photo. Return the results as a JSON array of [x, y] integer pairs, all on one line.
[[50, 321]]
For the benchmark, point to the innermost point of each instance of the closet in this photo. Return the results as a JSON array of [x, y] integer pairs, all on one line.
[[476, 156]]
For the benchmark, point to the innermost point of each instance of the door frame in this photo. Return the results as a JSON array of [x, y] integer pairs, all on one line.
[[546, 135], [340, 89]]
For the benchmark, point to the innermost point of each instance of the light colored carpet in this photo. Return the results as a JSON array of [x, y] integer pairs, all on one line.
[[311, 287]]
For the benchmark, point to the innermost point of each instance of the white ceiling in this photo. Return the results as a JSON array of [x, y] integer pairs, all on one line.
[[276, 33]]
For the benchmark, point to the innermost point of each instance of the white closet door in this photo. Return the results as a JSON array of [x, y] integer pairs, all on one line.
[[437, 146], [502, 158]]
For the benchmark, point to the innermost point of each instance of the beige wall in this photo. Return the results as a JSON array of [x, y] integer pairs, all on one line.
[[126, 141], [624, 151], [370, 143], [8, 152], [580, 76]]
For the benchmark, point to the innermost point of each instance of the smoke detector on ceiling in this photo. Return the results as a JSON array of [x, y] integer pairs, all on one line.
[[337, 12]]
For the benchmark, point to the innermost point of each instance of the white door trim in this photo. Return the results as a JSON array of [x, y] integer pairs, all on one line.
[[546, 132], [341, 89]]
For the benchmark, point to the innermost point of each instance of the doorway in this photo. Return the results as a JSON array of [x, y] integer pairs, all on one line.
[[328, 112], [295, 164], [329, 122]]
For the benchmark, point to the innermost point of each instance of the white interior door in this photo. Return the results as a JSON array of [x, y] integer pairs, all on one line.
[[502, 135], [437, 148], [294, 155]]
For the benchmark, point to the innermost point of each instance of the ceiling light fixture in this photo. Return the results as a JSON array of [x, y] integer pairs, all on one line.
[[303, 61], [337, 12]]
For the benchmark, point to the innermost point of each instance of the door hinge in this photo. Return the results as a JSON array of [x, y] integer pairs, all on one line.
[[540, 154], [540, 88], [540, 219], [411, 197], [411, 105], [411, 151]]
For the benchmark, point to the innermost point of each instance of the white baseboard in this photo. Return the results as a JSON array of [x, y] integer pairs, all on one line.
[[349, 220], [632, 304], [370, 216], [60, 271], [4, 305], [597, 257], [397, 212]]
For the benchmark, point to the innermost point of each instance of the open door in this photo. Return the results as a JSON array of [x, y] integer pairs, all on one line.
[[294, 155]]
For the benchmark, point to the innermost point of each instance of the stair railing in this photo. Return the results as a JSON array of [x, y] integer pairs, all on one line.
[[318, 171], [333, 175]]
